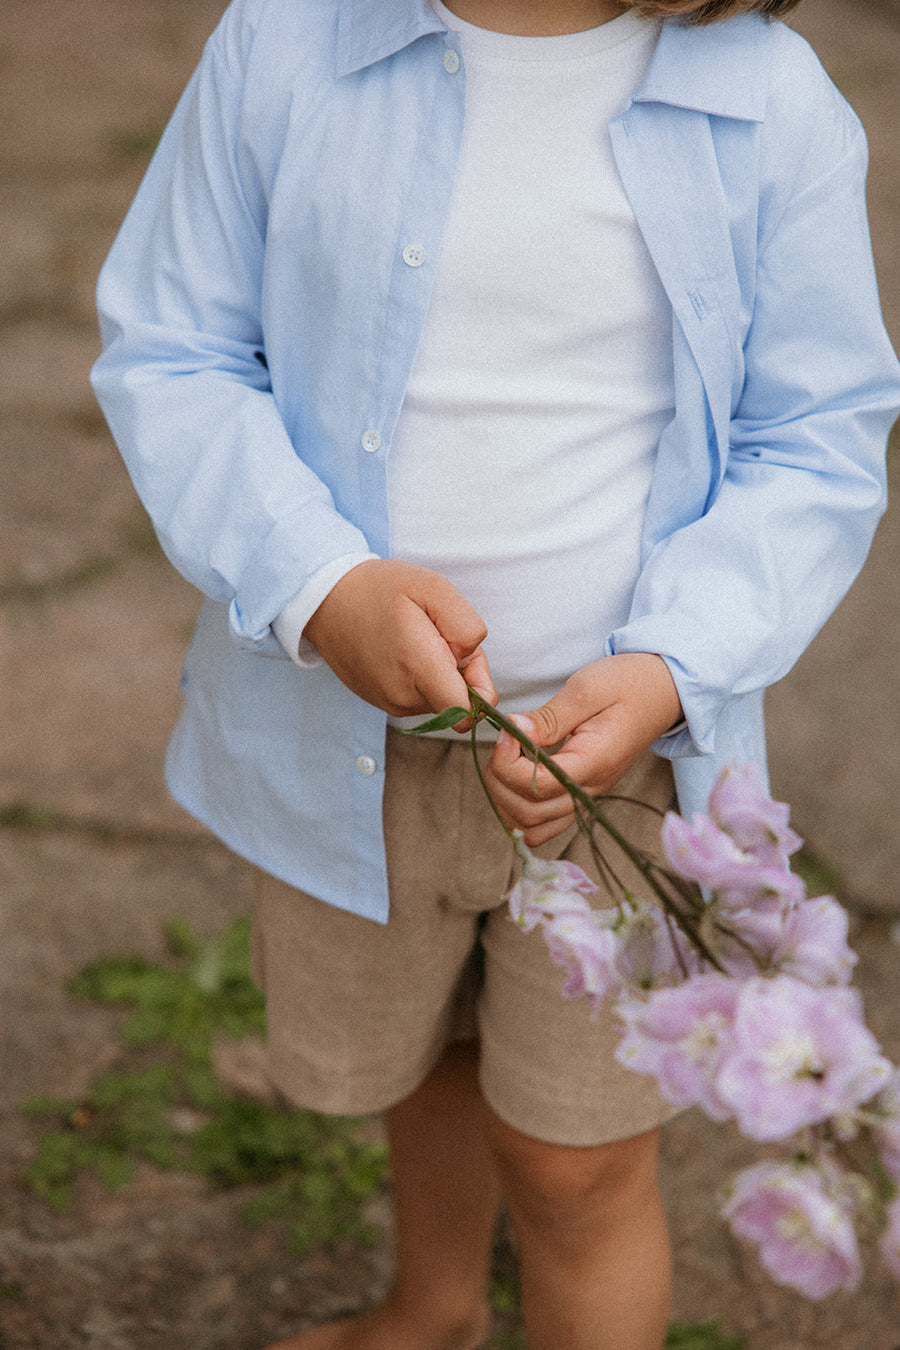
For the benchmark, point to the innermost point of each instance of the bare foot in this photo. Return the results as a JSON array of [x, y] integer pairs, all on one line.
[[386, 1328]]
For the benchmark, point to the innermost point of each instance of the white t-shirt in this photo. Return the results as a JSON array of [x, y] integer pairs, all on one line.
[[522, 458]]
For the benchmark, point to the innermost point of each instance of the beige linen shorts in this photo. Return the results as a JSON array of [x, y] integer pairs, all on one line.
[[359, 1012]]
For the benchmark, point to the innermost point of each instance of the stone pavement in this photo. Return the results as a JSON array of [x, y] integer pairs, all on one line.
[[93, 624]]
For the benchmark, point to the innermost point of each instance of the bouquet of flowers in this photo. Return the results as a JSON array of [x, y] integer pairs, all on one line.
[[732, 987]]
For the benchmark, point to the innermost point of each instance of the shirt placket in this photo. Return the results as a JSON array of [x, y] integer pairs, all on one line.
[[416, 252]]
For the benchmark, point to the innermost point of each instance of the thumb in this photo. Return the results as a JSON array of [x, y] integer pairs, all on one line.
[[556, 719]]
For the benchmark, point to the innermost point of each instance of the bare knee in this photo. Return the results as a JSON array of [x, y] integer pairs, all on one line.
[[556, 1187]]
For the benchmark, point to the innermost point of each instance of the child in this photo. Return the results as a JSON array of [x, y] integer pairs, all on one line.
[[532, 344]]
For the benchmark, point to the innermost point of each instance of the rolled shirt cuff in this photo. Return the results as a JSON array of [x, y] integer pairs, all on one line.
[[288, 626]]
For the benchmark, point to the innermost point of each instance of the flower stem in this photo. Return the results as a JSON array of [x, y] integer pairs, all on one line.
[[650, 871]]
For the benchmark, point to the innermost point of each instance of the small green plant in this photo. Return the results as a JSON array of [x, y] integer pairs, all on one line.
[[22, 815], [123, 1117], [138, 143], [183, 1005], [704, 1336], [169, 1108], [819, 875]]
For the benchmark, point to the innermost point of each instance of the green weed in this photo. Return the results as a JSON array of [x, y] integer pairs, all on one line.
[[123, 1117], [138, 143], [819, 876], [22, 815], [313, 1172], [705, 1336]]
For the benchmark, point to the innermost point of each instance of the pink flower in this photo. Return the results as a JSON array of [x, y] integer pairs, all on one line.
[[586, 946], [547, 888], [813, 946], [702, 852], [740, 805], [807, 940], [804, 1233], [680, 1036], [652, 951], [746, 939], [797, 1056]]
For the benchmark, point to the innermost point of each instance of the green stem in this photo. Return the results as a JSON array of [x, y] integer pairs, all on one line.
[[473, 740], [484, 711]]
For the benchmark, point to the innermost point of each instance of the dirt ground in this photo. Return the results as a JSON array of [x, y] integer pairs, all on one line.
[[93, 624]]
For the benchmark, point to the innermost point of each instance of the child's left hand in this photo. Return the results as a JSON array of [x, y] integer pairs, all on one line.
[[608, 713]]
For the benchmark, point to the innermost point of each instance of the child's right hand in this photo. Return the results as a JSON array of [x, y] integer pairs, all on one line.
[[399, 636]]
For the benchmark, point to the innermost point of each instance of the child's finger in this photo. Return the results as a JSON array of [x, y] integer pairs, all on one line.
[[477, 673], [518, 776], [459, 624], [437, 679], [538, 818]]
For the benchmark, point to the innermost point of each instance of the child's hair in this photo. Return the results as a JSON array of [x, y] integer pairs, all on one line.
[[707, 11]]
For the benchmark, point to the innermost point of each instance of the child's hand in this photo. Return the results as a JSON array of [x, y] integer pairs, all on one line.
[[399, 636], [611, 711]]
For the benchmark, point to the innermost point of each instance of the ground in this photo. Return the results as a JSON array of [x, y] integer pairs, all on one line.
[[94, 858]]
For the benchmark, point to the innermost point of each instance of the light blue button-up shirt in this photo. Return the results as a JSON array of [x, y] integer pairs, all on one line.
[[261, 310]]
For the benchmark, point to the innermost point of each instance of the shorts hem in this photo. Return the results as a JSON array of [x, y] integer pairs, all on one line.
[[551, 1128]]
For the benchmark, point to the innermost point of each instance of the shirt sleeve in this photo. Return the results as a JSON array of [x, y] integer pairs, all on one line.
[[183, 379], [288, 626], [732, 600]]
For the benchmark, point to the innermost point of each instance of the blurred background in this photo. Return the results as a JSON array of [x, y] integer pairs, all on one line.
[[93, 625]]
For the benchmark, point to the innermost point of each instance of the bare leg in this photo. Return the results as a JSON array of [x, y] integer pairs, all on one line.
[[445, 1204], [592, 1241]]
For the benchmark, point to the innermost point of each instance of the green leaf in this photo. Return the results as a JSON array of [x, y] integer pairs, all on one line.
[[448, 718]]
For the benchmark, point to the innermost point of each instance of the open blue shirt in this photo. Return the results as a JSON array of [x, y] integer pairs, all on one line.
[[260, 321]]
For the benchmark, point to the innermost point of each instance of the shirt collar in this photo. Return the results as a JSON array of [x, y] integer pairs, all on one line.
[[713, 68], [370, 30], [710, 68]]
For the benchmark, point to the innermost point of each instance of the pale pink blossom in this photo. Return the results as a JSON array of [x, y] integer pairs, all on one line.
[[746, 940], [701, 852], [813, 946], [807, 939], [653, 951], [797, 1056], [587, 947], [680, 1036], [547, 888], [803, 1229], [741, 806]]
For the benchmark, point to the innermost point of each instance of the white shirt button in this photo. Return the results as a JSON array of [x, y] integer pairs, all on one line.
[[371, 441], [414, 255], [366, 765], [451, 61]]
